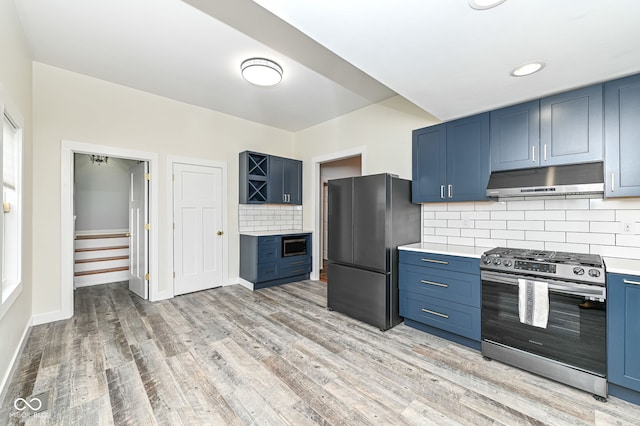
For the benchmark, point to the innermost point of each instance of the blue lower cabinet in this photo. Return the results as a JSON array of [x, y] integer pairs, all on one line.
[[623, 336], [440, 294], [263, 265]]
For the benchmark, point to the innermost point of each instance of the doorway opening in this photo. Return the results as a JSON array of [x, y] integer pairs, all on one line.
[[149, 163], [333, 166]]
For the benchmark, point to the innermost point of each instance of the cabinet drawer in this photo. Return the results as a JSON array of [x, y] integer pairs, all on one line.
[[448, 285], [266, 241], [454, 263], [267, 271], [443, 314], [295, 261], [267, 253]]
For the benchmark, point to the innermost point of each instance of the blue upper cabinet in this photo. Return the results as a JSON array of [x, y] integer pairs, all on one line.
[[515, 136], [622, 137], [429, 163], [451, 161], [285, 181], [571, 127]]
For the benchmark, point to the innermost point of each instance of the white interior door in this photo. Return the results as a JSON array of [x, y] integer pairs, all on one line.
[[138, 234], [198, 233]]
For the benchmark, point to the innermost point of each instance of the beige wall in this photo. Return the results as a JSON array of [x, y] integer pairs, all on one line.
[[383, 129], [15, 88], [74, 107]]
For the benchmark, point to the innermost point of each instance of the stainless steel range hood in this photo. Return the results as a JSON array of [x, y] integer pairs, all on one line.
[[583, 178]]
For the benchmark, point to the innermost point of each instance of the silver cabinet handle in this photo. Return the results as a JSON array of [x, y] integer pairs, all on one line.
[[441, 191], [450, 190], [533, 153], [631, 282], [284, 198], [442, 262], [435, 313], [434, 283], [545, 152], [613, 182]]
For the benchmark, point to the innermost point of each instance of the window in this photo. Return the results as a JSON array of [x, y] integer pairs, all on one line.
[[10, 214]]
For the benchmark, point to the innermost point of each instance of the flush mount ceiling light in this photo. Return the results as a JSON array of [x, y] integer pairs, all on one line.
[[261, 72], [485, 4], [527, 69]]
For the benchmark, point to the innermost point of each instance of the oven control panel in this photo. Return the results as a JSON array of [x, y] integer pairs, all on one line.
[[535, 266]]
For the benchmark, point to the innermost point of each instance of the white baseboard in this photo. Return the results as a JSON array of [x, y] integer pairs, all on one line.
[[4, 384], [231, 281], [245, 283], [96, 279], [48, 317]]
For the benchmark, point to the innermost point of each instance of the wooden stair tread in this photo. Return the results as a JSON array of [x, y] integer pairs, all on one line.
[[100, 248], [102, 259], [99, 236], [101, 271]]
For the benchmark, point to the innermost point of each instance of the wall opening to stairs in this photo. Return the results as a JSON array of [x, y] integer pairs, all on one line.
[[101, 216]]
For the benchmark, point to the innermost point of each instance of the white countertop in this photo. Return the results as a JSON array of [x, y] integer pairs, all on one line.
[[448, 249], [280, 232], [622, 266], [613, 264]]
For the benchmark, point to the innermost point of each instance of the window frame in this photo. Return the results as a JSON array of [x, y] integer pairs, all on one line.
[[9, 294]]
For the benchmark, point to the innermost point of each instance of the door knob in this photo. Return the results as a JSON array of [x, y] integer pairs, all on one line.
[[220, 232]]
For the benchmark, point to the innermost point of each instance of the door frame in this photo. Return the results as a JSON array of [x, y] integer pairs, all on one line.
[[171, 161], [317, 198], [68, 149]]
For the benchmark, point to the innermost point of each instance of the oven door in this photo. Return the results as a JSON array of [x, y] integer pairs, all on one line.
[[576, 328]]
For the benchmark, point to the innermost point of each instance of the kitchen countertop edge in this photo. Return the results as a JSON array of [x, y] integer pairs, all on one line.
[[280, 232], [446, 249], [618, 265]]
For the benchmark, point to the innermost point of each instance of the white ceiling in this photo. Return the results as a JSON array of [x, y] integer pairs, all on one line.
[[337, 55]]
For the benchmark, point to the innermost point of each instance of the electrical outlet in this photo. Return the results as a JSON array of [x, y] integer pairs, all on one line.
[[466, 223], [628, 228]]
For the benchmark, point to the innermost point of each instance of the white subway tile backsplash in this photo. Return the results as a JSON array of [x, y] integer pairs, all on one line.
[[575, 204], [527, 225], [507, 215], [591, 238], [571, 223], [269, 217], [491, 224], [545, 236], [567, 226], [507, 235], [591, 215], [545, 215]]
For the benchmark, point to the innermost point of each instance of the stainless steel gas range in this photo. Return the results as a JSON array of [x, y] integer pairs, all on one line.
[[544, 311]]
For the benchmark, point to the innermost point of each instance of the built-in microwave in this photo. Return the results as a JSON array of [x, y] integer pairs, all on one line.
[[294, 245]]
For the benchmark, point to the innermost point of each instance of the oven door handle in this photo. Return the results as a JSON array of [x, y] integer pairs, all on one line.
[[565, 287]]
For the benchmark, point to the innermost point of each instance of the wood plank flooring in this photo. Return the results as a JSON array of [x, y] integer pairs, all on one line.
[[276, 356]]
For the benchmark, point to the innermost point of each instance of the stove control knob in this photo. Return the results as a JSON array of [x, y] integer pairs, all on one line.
[[497, 261], [578, 270], [507, 263], [594, 273], [486, 260]]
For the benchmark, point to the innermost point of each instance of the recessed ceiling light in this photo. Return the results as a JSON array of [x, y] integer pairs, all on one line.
[[261, 72], [527, 69], [484, 4]]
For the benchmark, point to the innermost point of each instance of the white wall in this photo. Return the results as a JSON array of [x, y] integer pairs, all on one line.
[[15, 88], [101, 193], [70, 106]]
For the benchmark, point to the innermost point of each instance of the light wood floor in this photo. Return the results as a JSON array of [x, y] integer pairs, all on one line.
[[276, 356]]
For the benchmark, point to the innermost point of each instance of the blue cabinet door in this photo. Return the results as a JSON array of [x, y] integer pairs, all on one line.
[[571, 127], [276, 173], [468, 158], [515, 137], [622, 137], [623, 330], [429, 164], [292, 181]]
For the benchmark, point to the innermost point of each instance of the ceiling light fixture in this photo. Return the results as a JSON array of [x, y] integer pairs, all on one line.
[[261, 72], [484, 4], [527, 69]]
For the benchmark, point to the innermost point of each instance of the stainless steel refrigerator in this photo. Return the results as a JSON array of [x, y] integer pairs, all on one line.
[[369, 217]]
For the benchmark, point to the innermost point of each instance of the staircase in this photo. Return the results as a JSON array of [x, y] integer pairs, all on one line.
[[101, 259]]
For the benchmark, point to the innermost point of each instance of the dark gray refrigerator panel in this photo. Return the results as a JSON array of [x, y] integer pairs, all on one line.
[[363, 295], [340, 221], [369, 216], [370, 230]]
